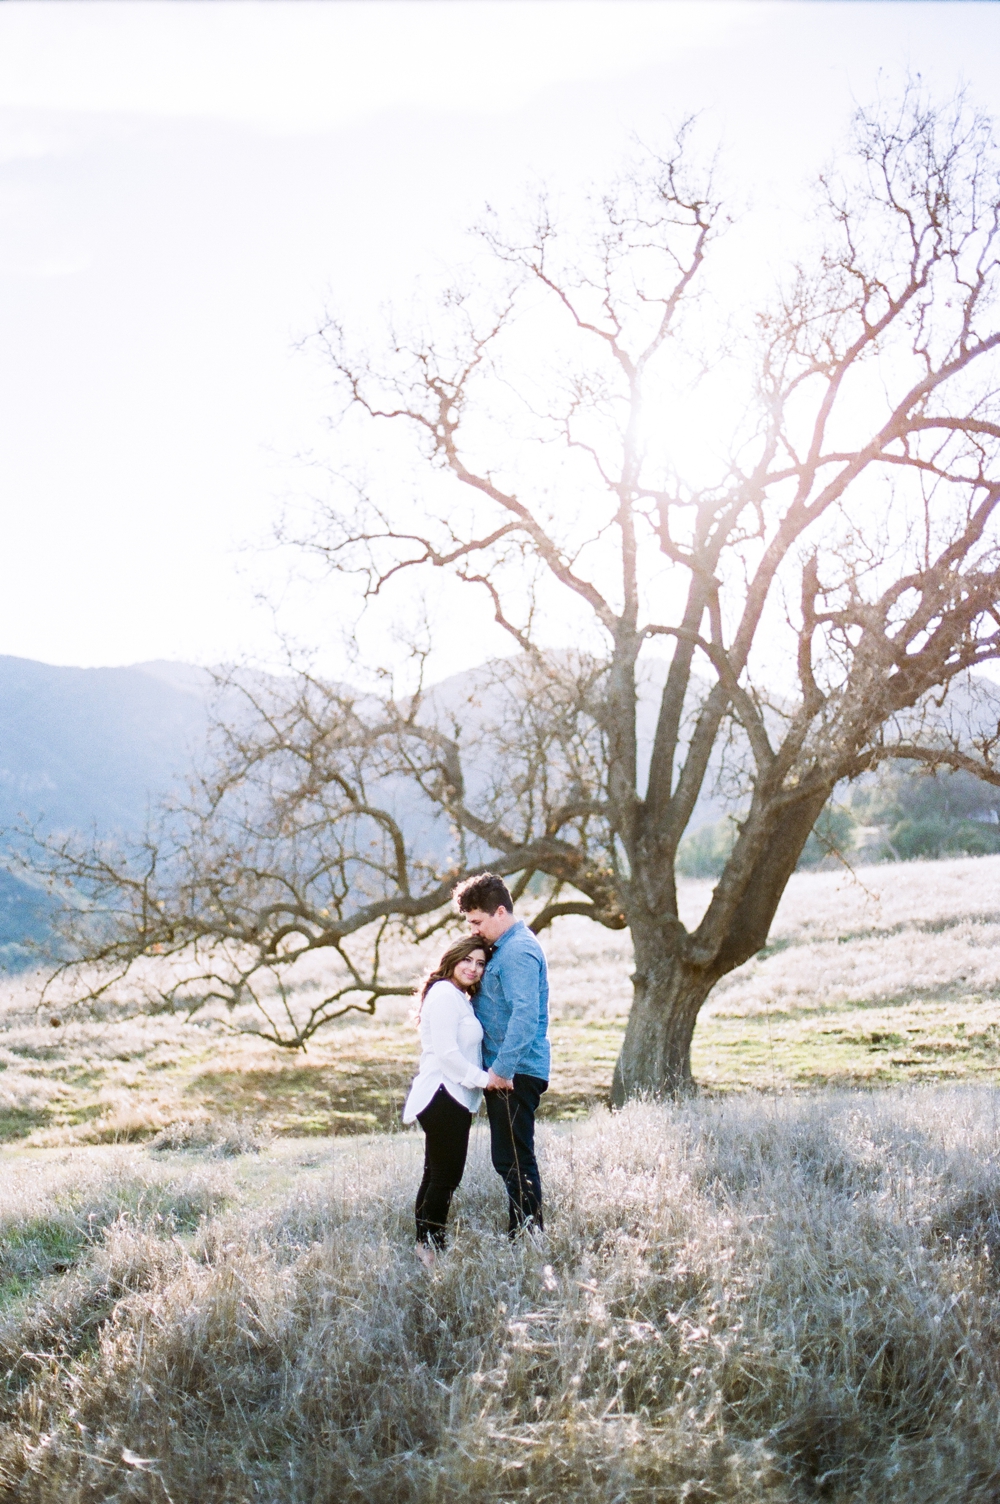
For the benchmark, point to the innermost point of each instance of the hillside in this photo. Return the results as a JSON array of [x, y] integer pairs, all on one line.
[[87, 748], [82, 747], [890, 979], [768, 1296]]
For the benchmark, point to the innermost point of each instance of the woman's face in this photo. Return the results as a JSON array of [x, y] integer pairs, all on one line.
[[469, 970]]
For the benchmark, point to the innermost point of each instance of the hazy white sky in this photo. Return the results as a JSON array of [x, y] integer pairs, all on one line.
[[183, 188]]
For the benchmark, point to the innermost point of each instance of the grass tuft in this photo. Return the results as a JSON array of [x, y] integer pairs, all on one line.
[[223, 1140]]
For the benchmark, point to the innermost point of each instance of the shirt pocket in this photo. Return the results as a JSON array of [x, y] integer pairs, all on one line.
[[497, 992]]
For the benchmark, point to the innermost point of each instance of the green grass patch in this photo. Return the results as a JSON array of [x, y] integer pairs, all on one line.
[[35, 1248], [17, 1122], [861, 1044]]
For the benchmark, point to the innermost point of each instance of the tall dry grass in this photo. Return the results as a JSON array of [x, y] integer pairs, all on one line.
[[748, 1299]]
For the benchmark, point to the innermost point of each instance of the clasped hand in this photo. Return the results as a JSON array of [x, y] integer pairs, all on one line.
[[497, 1083]]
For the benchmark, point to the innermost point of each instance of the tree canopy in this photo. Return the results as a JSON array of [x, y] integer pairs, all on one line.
[[732, 545]]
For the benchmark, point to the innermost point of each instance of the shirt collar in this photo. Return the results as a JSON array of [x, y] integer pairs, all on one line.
[[517, 925]]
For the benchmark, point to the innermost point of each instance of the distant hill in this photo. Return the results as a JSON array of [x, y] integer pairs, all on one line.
[[96, 748], [84, 748], [89, 746]]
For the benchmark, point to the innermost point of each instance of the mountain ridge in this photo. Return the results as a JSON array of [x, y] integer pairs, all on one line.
[[95, 749]]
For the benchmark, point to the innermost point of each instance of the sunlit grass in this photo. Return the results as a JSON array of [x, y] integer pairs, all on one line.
[[767, 1294], [890, 977], [748, 1299]]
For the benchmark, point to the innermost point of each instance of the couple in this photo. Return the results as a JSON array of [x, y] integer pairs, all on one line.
[[502, 966]]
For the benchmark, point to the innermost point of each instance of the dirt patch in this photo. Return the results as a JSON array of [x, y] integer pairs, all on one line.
[[349, 1097]]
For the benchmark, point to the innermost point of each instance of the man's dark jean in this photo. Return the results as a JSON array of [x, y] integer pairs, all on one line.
[[512, 1145]]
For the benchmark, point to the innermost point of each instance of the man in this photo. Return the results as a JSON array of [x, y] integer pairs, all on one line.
[[513, 1007]]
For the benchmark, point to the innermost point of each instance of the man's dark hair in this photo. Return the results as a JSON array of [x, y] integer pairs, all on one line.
[[486, 892]]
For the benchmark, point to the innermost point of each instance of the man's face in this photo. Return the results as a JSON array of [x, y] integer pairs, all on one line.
[[490, 926]]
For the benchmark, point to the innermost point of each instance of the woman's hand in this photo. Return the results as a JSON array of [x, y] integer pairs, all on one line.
[[498, 1083]]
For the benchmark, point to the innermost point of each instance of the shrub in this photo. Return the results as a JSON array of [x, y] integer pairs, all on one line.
[[222, 1140], [705, 852], [831, 836], [923, 814]]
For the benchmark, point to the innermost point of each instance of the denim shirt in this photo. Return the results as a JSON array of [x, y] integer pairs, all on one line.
[[512, 1005]]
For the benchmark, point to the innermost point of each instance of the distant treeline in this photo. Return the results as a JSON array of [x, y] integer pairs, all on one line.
[[901, 813]]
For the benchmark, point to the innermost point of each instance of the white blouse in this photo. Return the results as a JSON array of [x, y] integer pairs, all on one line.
[[452, 1040]]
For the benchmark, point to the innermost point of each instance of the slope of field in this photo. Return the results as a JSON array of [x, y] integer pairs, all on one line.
[[751, 1299], [889, 976]]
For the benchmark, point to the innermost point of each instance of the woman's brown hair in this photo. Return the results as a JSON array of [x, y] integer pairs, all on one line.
[[444, 971]]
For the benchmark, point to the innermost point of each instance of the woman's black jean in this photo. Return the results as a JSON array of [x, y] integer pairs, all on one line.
[[446, 1125]]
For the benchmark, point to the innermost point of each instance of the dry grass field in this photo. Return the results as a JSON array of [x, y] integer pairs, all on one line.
[[770, 1293], [747, 1299], [891, 975]]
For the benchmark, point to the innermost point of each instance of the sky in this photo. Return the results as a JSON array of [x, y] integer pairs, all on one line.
[[185, 188]]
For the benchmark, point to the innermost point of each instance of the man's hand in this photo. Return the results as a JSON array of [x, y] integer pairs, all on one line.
[[497, 1083]]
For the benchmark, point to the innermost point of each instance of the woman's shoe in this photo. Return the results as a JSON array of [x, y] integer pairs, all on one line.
[[427, 1255]]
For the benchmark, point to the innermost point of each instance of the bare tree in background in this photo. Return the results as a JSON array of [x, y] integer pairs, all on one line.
[[325, 825], [836, 541]]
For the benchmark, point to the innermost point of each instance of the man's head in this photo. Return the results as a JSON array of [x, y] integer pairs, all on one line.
[[487, 905]]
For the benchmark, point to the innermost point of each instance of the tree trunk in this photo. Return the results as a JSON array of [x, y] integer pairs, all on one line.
[[655, 1057]]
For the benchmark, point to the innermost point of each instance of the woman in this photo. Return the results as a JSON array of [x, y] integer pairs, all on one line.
[[447, 1088]]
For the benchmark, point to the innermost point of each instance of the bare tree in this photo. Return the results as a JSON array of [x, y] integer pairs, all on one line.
[[331, 823], [820, 571]]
